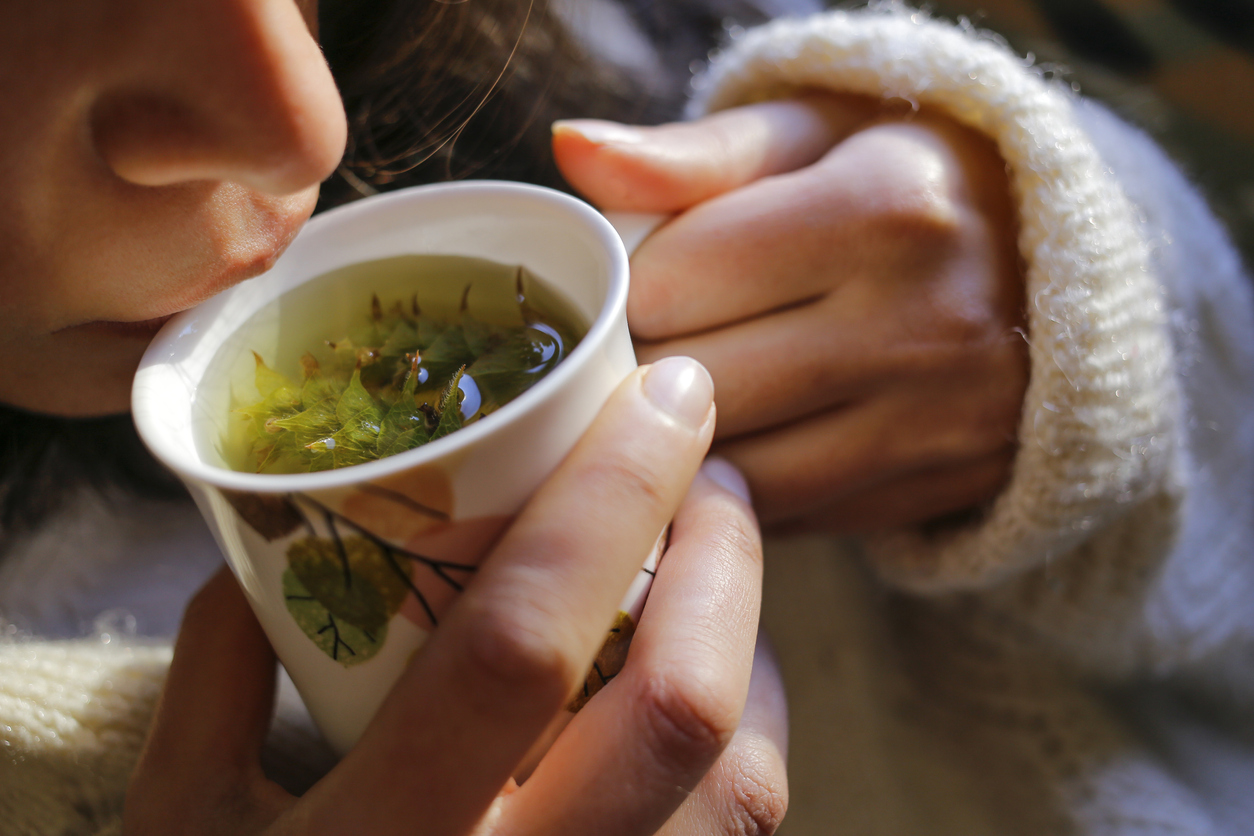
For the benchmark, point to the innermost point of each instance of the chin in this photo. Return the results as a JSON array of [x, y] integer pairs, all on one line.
[[97, 402], [76, 374]]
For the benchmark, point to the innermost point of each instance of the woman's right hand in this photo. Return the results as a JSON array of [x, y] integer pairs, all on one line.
[[848, 271], [666, 735]]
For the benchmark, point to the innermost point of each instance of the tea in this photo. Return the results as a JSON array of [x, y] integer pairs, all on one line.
[[381, 357]]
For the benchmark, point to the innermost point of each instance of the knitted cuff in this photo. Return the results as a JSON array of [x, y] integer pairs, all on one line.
[[1099, 423]]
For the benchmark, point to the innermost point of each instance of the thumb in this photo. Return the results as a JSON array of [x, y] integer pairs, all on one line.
[[669, 168]]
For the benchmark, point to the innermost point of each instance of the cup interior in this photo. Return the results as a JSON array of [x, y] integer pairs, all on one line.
[[555, 236]]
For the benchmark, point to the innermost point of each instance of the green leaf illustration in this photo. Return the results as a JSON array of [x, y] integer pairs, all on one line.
[[345, 643], [351, 577], [609, 661]]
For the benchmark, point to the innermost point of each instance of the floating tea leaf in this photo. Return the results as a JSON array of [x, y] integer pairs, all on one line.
[[399, 379]]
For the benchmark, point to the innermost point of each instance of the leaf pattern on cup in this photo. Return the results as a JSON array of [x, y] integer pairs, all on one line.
[[343, 641], [271, 515], [358, 557], [609, 661], [380, 549], [449, 555], [401, 507]]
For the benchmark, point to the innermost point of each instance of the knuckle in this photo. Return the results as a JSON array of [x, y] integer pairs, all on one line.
[[966, 323], [510, 657], [687, 723], [737, 537], [759, 796], [622, 474], [914, 212], [912, 202]]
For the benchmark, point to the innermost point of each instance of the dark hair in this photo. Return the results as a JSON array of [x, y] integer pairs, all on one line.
[[440, 91], [434, 90], [42, 457]]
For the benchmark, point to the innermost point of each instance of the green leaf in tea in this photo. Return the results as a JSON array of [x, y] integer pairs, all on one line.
[[450, 407], [404, 427], [399, 379]]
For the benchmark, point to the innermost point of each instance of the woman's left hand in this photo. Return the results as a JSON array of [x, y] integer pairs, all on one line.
[[633, 756], [848, 273]]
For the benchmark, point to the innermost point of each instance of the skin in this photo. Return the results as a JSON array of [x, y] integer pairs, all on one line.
[[145, 172], [848, 273], [669, 738], [156, 153]]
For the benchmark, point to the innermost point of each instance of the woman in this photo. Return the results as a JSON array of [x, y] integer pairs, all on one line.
[[911, 413], [164, 153]]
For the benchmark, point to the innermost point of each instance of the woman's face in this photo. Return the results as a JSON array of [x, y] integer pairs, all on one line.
[[152, 153]]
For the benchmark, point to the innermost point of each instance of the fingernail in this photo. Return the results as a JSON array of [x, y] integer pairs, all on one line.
[[600, 132], [682, 388], [727, 476]]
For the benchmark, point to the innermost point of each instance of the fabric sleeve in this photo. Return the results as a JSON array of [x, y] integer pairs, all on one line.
[[1165, 589], [1101, 422], [73, 717]]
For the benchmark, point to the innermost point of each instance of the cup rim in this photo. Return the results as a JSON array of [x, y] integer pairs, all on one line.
[[144, 401]]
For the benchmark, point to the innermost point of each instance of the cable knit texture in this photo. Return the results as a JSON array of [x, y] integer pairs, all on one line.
[[73, 716], [1098, 432]]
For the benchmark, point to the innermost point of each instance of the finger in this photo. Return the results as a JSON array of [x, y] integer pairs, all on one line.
[[636, 750], [888, 205], [519, 640], [672, 167], [766, 710], [807, 466], [929, 494], [789, 364], [804, 360], [747, 790], [205, 742]]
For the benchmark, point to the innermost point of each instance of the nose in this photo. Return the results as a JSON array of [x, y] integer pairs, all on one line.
[[219, 90]]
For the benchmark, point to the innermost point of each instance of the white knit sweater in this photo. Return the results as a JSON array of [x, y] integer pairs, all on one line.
[[1115, 566]]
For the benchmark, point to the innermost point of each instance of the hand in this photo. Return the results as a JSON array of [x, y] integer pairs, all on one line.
[[438, 756], [849, 275]]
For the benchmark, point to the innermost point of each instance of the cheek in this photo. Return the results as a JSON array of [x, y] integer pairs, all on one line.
[[201, 243], [125, 256], [125, 253]]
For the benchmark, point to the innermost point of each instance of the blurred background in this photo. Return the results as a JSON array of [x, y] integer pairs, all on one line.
[[1181, 69]]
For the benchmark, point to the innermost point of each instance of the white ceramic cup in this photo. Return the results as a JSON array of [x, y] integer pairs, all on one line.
[[433, 511]]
